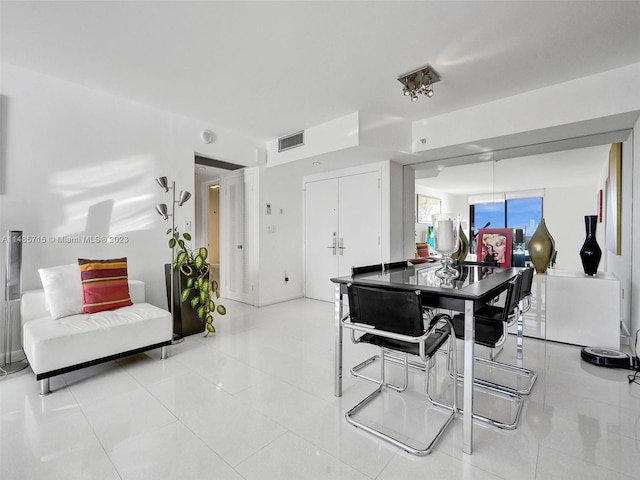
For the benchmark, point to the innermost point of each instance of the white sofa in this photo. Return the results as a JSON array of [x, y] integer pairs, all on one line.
[[57, 346]]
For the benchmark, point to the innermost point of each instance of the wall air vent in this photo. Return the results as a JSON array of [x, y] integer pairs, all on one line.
[[291, 141]]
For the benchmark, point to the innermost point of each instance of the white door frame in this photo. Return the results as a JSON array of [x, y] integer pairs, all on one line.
[[250, 234]]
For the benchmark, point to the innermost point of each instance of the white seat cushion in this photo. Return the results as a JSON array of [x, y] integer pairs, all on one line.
[[54, 344]]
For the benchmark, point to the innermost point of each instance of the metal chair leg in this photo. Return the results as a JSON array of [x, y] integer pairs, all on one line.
[[44, 387], [349, 415]]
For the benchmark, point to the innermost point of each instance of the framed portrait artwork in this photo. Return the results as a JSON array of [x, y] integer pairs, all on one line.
[[496, 244], [426, 208]]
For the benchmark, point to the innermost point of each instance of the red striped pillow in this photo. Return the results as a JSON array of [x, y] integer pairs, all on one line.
[[105, 284]]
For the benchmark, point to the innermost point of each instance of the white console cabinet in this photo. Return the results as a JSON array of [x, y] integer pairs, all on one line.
[[571, 307]]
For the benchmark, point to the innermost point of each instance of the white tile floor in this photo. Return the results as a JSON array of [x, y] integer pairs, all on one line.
[[256, 402]]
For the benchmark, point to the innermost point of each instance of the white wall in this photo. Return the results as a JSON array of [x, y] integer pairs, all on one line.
[[564, 211], [634, 143], [79, 163], [280, 252]]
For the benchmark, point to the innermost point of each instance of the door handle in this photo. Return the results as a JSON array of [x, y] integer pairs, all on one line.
[[333, 246], [239, 247], [341, 246]]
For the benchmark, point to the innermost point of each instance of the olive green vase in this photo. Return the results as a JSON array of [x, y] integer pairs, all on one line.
[[463, 247], [541, 248]]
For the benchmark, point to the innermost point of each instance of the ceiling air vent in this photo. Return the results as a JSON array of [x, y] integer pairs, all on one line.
[[291, 141]]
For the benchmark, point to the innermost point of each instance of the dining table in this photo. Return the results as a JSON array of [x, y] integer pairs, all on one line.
[[476, 285]]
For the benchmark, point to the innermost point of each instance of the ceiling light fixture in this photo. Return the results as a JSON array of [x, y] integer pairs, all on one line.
[[419, 82]]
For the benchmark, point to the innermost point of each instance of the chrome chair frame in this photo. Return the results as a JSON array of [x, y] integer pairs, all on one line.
[[523, 306], [491, 387], [400, 345]]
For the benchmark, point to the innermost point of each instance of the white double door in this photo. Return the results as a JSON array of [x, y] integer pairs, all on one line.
[[343, 228]]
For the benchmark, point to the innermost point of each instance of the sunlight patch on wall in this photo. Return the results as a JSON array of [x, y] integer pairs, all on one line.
[[110, 199]]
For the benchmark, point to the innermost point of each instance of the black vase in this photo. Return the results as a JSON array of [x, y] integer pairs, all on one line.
[[590, 252], [185, 319]]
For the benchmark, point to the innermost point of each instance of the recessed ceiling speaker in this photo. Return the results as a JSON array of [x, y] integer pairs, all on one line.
[[208, 136], [606, 357]]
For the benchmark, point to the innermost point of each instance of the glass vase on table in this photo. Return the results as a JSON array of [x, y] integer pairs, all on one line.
[[447, 236]]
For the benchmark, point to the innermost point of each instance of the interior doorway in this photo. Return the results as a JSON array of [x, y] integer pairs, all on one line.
[[216, 212]]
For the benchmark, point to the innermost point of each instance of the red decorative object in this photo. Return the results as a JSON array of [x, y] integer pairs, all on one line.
[[423, 250], [496, 244], [600, 195]]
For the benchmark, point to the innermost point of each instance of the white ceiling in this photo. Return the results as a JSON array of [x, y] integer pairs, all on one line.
[[272, 68], [576, 167]]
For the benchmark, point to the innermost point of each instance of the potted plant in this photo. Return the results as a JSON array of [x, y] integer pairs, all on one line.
[[198, 292]]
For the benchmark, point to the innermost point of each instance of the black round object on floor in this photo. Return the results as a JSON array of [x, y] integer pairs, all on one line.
[[606, 357]]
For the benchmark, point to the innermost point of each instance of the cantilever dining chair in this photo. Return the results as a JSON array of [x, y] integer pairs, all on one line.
[[490, 327], [492, 323], [355, 370], [393, 320]]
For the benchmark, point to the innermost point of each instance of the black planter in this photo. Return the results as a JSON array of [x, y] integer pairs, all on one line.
[[185, 318], [590, 252]]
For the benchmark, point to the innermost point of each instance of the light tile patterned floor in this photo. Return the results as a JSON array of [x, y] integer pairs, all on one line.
[[256, 402]]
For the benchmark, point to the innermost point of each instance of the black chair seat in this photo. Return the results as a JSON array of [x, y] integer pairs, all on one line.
[[488, 332], [432, 343]]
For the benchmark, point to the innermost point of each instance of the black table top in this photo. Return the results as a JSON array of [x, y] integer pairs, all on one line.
[[476, 282]]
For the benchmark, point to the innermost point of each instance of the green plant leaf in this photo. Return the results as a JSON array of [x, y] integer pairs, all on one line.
[[172, 242], [185, 294], [201, 312], [181, 243], [221, 310], [180, 258], [211, 328], [203, 252], [198, 262], [205, 286], [209, 319], [203, 297], [168, 231], [190, 282], [194, 302], [212, 305], [187, 236], [214, 285]]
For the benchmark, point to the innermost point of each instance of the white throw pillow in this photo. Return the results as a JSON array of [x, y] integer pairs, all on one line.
[[62, 289]]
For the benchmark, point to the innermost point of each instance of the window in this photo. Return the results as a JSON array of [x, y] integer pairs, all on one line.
[[524, 213]]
